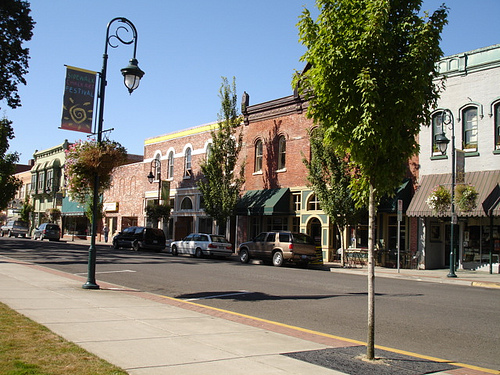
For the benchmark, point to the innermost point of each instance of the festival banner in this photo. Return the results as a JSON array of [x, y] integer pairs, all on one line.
[[78, 100]]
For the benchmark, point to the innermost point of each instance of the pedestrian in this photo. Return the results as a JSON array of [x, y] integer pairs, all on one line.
[[106, 232]]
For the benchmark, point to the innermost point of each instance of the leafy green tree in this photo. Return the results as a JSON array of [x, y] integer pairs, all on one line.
[[26, 211], [9, 184], [370, 84], [221, 184], [16, 27], [330, 177]]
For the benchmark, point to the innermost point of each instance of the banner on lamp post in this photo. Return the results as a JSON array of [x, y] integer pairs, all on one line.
[[78, 100]]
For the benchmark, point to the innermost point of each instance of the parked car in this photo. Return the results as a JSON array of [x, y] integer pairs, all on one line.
[[200, 244], [279, 247], [15, 228], [47, 230], [139, 238]]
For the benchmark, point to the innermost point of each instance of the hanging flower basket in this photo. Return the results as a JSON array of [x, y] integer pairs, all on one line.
[[466, 197], [439, 199], [86, 159]]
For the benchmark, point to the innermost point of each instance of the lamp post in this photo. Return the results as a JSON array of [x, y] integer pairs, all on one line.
[[442, 144], [132, 75], [151, 177]]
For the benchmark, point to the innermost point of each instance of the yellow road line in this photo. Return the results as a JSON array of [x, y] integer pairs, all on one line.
[[305, 330]]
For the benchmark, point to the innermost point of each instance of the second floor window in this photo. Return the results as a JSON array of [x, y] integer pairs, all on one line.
[[187, 163], [258, 156], [170, 166], [497, 127], [281, 152], [437, 128], [469, 124]]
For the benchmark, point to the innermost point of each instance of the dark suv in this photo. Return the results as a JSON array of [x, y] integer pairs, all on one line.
[[47, 230], [279, 247], [140, 238]]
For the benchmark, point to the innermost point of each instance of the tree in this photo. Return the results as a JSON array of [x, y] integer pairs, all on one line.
[[370, 84], [9, 184], [16, 26], [221, 184], [330, 177]]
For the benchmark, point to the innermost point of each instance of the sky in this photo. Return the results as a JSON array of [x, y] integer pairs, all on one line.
[[184, 47]]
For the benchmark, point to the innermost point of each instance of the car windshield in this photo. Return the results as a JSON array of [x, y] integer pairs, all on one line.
[[21, 223], [219, 239]]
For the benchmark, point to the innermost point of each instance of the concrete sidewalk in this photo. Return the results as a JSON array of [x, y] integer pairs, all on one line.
[[145, 333]]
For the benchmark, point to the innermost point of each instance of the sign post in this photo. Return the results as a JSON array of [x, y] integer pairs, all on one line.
[[400, 217]]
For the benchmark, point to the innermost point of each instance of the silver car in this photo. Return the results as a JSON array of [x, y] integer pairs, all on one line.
[[47, 230], [200, 244]]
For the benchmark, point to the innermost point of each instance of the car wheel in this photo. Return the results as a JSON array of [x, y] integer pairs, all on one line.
[[174, 251], [2, 234], [9, 234], [136, 246], [41, 237], [115, 245], [198, 253], [244, 256], [278, 259]]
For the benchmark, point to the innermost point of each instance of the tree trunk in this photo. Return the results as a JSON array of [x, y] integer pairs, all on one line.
[[341, 230], [370, 344]]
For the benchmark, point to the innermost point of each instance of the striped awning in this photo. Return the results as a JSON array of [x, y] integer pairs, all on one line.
[[485, 183]]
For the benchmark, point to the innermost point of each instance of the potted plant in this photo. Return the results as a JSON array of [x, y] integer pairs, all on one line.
[[439, 199]]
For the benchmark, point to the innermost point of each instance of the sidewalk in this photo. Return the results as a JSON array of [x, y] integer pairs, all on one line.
[[148, 334]]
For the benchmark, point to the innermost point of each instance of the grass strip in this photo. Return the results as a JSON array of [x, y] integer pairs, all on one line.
[[28, 348]]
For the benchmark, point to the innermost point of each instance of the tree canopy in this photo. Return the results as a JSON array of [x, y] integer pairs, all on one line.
[[8, 183], [221, 182], [16, 27], [370, 82]]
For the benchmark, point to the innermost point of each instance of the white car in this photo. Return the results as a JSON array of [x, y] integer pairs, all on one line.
[[200, 244]]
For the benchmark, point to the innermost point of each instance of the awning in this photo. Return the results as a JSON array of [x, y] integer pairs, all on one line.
[[72, 208], [264, 202], [484, 183], [403, 192]]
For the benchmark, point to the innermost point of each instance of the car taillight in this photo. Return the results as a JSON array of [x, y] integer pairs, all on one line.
[[212, 246], [290, 246], [229, 247]]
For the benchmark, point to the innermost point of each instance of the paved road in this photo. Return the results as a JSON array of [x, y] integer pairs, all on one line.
[[446, 321]]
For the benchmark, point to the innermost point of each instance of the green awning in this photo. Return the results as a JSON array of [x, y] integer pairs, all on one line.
[[403, 192], [264, 202], [72, 208]]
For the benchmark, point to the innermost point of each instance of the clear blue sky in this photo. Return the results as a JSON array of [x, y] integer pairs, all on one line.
[[185, 47]]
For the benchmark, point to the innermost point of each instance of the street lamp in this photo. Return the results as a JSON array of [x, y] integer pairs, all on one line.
[[132, 75], [151, 176], [442, 144]]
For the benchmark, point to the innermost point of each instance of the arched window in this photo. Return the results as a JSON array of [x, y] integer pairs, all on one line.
[[157, 167], [281, 152], [469, 129], [186, 204], [497, 126], [437, 128], [258, 156], [313, 203], [187, 163], [170, 165], [209, 151]]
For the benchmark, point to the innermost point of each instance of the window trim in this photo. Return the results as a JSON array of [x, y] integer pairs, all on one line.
[[463, 112], [170, 165], [188, 171], [281, 153], [258, 156]]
